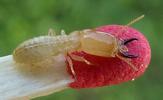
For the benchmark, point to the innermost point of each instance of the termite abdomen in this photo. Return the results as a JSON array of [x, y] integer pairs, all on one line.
[[40, 49]]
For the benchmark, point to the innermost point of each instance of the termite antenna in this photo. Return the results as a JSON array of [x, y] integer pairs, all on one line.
[[51, 32], [63, 32], [135, 20], [127, 61]]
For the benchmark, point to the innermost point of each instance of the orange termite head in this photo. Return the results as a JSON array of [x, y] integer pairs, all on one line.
[[106, 45]]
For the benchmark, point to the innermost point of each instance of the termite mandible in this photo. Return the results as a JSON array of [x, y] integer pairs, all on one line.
[[40, 50]]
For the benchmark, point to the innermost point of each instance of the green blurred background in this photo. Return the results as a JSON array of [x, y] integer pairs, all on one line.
[[24, 19]]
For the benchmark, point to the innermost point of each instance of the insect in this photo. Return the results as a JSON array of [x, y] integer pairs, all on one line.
[[40, 50]]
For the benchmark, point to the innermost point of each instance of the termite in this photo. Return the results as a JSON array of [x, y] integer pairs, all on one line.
[[38, 51]]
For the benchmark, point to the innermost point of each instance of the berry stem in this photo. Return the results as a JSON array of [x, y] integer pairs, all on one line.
[[135, 20]]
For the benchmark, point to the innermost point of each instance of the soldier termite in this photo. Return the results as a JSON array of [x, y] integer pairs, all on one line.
[[39, 51]]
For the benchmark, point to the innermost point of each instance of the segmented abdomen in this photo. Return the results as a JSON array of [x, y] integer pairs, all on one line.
[[44, 47]]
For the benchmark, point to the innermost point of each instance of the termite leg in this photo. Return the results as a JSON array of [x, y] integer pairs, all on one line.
[[127, 61], [63, 32], [79, 58], [71, 56], [69, 60], [51, 32]]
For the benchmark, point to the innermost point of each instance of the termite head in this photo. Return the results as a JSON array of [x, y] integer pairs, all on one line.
[[106, 45]]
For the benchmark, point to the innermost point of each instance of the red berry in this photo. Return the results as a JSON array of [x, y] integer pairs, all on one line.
[[110, 71]]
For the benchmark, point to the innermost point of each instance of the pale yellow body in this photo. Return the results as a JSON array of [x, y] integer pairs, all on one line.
[[41, 50]]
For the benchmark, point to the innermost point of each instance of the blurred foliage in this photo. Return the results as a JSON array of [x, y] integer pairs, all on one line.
[[23, 19]]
